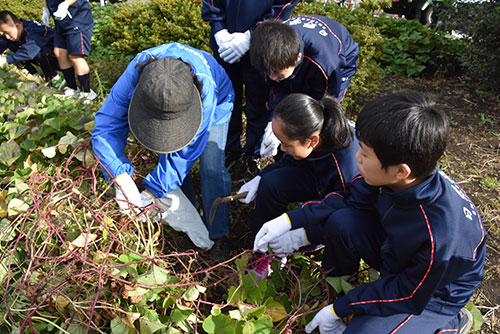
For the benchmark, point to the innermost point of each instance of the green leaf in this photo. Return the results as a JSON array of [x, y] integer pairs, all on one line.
[[340, 283], [180, 313], [262, 325], [148, 327], [157, 276], [220, 324], [118, 326], [49, 152], [16, 206], [476, 315], [68, 139], [193, 292], [273, 305], [9, 152]]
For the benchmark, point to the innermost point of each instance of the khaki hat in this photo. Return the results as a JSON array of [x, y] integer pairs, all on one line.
[[165, 111]]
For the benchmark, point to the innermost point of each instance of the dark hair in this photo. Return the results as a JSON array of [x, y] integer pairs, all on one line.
[[302, 116], [405, 127], [274, 46], [9, 18], [141, 65]]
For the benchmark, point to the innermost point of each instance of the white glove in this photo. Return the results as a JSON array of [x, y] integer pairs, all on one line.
[[239, 45], [270, 231], [251, 186], [146, 198], [3, 60], [46, 16], [61, 12], [270, 142], [290, 241], [327, 321], [126, 191], [222, 37]]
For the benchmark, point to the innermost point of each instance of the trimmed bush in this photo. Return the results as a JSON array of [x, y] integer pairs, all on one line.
[[26, 9]]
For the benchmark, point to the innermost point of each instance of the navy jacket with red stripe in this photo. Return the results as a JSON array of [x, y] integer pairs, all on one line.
[[329, 60], [432, 257], [243, 15], [79, 18], [36, 40]]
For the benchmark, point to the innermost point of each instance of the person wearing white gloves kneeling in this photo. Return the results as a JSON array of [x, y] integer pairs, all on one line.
[[176, 101]]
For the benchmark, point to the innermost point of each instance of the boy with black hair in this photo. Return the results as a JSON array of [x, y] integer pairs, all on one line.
[[422, 233], [73, 32], [31, 43], [232, 23], [309, 54]]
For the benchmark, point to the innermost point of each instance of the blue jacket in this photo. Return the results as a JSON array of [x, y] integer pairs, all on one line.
[[36, 41], [329, 60], [242, 15], [433, 254], [333, 169], [111, 121], [80, 20]]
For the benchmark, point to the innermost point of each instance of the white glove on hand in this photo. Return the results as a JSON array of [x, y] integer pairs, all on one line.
[[3, 61], [46, 16], [126, 191], [327, 321], [239, 45], [222, 37], [270, 231], [146, 198], [62, 11], [290, 241], [251, 186], [270, 142]]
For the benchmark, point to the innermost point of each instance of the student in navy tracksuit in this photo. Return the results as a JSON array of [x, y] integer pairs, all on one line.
[[308, 54], [425, 236], [73, 32], [232, 23], [319, 157], [30, 42]]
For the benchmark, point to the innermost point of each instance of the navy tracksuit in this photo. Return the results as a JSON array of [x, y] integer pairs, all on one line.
[[79, 18], [240, 16], [36, 46], [428, 242], [329, 60], [289, 180]]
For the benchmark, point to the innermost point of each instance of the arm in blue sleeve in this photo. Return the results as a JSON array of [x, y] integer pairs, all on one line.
[[111, 128], [212, 11], [285, 161], [28, 51], [4, 44]]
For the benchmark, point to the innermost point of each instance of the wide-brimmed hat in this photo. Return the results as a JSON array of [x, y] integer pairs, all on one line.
[[165, 110]]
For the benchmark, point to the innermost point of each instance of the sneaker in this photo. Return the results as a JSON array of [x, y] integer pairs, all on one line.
[[466, 321], [262, 268], [252, 167], [70, 92], [88, 96], [232, 157], [58, 82], [220, 251]]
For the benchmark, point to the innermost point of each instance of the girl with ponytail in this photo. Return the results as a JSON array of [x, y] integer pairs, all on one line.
[[319, 149]]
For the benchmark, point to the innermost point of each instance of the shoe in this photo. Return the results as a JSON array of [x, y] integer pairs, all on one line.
[[70, 92], [252, 167], [232, 157], [88, 96], [262, 268], [220, 251], [58, 82], [466, 321]]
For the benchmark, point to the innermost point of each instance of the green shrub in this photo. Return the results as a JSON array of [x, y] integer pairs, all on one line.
[[480, 25], [26, 9], [409, 46], [146, 24]]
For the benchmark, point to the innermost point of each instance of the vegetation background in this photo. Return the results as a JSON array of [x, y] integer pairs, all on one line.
[[71, 263]]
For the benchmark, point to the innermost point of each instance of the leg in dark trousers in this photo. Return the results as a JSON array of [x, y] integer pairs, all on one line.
[[351, 235], [49, 66], [280, 187]]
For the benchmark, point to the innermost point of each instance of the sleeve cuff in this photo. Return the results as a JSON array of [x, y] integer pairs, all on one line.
[[10, 59], [340, 307], [297, 218]]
